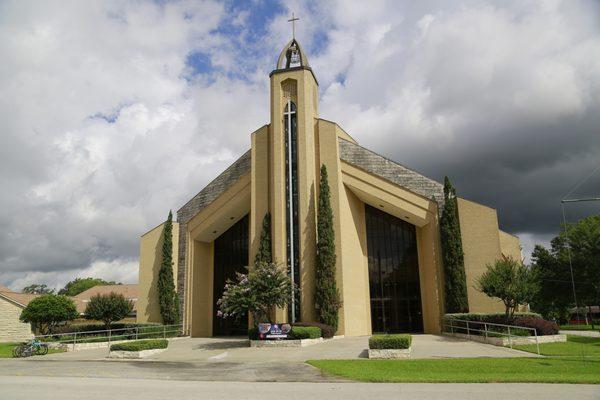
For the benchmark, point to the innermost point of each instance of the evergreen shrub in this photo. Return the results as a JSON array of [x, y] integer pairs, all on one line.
[[395, 341], [139, 345]]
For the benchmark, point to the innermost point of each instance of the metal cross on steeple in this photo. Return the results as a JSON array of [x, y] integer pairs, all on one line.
[[293, 21]]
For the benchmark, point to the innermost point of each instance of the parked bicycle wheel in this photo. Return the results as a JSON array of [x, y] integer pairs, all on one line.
[[16, 351], [42, 350], [27, 351]]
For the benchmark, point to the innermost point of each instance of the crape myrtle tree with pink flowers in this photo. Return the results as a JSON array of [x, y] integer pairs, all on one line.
[[265, 287]]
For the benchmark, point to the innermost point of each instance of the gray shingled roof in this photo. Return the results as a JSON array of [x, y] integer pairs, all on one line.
[[391, 171]]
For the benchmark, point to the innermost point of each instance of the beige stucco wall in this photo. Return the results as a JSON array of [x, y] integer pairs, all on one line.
[[11, 329], [355, 266], [481, 246], [151, 243], [510, 246]]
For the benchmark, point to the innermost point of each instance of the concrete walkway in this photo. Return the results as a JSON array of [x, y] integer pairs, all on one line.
[[230, 359], [237, 350], [594, 334]]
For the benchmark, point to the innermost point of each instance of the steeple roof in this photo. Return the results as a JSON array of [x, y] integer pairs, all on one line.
[[292, 56]]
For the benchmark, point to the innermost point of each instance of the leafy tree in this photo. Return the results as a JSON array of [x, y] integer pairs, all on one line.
[[327, 296], [582, 239], [264, 248], [37, 289], [108, 308], [80, 285], [47, 311], [510, 281], [264, 288], [167, 296], [452, 253], [554, 300]]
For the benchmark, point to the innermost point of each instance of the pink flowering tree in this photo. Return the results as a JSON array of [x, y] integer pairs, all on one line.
[[264, 288]]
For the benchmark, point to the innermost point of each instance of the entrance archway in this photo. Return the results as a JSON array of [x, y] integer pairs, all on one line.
[[230, 257], [394, 284]]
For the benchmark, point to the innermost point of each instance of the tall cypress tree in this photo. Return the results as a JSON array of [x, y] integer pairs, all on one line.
[[452, 252], [167, 296], [327, 296], [264, 248]]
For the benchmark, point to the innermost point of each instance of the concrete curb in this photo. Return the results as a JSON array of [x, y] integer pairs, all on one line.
[[390, 353], [134, 354]]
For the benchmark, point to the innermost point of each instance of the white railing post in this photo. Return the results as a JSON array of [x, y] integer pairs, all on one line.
[[468, 331], [486, 333], [509, 337], [109, 337], [74, 340], [537, 343], [164, 331], [136, 333]]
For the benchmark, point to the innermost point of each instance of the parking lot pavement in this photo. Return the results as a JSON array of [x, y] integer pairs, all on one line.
[[183, 371], [21, 388]]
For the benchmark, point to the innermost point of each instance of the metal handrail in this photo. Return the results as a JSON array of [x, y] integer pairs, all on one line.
[[121, 333], [485, 330]]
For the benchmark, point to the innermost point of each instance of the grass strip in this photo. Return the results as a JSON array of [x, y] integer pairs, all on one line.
[[466, 370]]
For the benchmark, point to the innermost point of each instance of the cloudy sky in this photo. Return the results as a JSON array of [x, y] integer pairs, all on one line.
[[111, 113]]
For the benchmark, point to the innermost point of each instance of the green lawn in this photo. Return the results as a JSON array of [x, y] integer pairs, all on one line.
[[575, 346], [6, 350], [579, 327], [564, 365], [550, 370]]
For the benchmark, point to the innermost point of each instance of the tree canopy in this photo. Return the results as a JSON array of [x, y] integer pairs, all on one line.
[[37, 289], [264, 248], [47, 311], [108, 308], [555, 297], [167, 295], [327, 296], [511, 282], [80, 285], [258, 293], [455, 280]]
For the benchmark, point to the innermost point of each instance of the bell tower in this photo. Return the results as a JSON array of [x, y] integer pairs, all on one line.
[[293, 174]]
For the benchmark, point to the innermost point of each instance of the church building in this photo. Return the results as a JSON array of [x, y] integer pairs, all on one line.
[[386, 220]]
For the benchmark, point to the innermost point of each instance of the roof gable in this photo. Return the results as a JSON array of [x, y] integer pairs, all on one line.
[[391, 171]]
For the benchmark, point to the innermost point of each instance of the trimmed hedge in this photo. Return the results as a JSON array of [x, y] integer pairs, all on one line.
[[396, 341], [326, 330], [305, 332], [100, 327], [493, 318], [139, 345], [541, 326], [524, 319]]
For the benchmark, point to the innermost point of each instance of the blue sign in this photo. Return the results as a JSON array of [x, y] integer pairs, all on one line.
[[268, 331]]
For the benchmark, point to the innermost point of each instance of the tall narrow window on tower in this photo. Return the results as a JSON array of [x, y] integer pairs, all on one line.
[[291, 186]]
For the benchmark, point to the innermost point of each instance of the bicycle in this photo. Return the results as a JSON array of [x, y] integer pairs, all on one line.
[[28, 349]]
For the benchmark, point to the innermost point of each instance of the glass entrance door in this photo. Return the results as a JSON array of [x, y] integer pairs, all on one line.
[[393, 274], [230, 256]]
